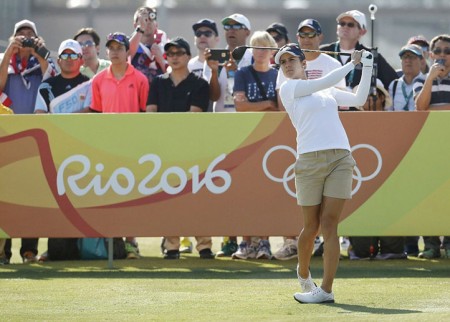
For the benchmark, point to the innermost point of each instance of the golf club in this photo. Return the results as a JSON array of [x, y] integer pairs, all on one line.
[[239, 52]]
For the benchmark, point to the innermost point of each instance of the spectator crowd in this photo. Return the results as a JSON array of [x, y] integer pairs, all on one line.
[[150, 72]]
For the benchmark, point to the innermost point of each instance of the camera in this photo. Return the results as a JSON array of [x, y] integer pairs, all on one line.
[[28, 42], [41, 51], [440, 61], [152, 15]]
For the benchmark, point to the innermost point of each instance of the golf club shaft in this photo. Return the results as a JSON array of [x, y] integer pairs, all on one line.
[[307, 51], [326, 52]]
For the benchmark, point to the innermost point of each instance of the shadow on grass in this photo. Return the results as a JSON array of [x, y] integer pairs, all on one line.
[[372, 310], [195, 268]]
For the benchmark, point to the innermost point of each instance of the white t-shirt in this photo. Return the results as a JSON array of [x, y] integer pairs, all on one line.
[[196, 66], [316, 68], [312, 106], [225, 102]]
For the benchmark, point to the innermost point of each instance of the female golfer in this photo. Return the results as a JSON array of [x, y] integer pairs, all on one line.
[[324, 166]]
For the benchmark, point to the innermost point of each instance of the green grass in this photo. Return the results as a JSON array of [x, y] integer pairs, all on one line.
[[190, 289]]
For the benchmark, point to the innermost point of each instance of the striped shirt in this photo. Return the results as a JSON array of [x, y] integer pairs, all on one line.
[[440, 90]]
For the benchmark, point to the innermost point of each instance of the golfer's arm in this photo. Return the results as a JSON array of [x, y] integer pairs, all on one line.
[[307, 87]]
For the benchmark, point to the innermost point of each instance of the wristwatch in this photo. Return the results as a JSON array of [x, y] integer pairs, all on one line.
[[138, 29]]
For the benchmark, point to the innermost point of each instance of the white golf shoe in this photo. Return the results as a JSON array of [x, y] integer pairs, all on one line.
[[317, 295], [307, 284]]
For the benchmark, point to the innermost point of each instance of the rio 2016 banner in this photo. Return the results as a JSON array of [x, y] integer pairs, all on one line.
[[212, 175]]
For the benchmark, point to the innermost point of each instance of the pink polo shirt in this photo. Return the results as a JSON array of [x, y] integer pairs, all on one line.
[[127, 95]]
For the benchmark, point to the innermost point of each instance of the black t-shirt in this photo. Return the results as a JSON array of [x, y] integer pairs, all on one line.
[[170, 98], [60, 85]]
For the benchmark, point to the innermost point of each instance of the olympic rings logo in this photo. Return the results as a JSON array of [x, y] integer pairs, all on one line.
[[357, 173], [289, 173]]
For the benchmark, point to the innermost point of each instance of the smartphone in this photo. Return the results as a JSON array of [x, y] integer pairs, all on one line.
[[440, 62], [221, 55]]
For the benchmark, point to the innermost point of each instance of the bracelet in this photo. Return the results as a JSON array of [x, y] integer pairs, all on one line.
[[138, 29]]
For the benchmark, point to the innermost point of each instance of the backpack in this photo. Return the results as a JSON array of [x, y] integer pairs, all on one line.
[[370, 247], [62, 249], [97, 248]]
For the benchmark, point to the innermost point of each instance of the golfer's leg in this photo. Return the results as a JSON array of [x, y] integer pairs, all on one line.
[[305, 243], [331, 211]]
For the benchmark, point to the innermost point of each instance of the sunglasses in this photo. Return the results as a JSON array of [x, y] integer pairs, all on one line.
[[409, 56], [349, 24], [175, 53], [69, 56], [206, 33], [311, 34], [87, 43], [438, 51], [234, 27]]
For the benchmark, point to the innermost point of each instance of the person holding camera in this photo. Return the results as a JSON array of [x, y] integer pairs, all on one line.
[[24, 65], [147, 44]]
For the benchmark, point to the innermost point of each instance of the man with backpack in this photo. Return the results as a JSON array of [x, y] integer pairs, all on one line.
[[401, 89]]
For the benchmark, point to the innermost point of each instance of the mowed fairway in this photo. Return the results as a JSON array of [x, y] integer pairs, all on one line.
[[190, 289]]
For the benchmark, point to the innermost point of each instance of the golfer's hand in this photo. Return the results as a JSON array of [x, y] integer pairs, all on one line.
[[367, 58], [356, 57]]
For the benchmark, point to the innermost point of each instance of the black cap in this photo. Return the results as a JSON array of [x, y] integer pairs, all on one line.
[[311, 23], [118, 37], [292, 49], [279, 28], [178, 42], [206, 23]]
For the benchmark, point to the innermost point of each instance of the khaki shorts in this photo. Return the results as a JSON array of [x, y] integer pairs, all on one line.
[[323, 173]]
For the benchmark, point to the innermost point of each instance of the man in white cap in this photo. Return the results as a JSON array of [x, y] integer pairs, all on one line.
[[69, 91], [221, 82], [351, 27], [221, 77]]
